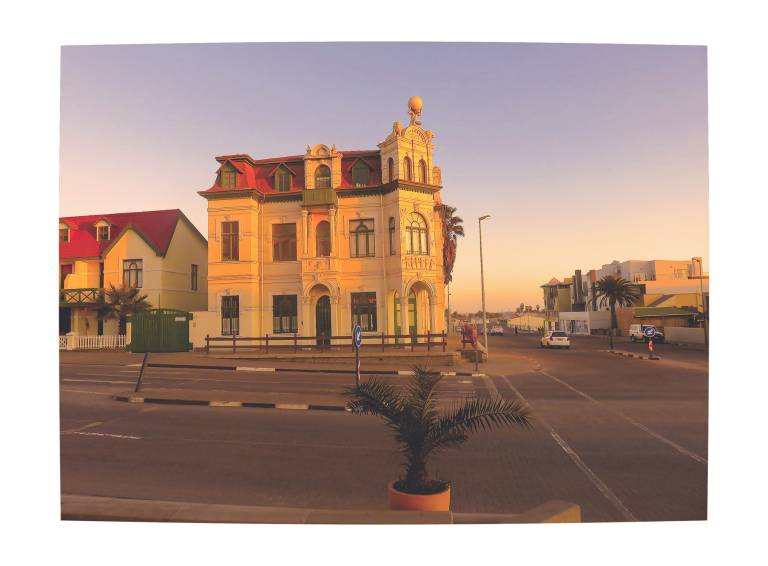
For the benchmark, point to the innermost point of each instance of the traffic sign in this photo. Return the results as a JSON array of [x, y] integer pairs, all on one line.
[[649, 331], [357, 336]]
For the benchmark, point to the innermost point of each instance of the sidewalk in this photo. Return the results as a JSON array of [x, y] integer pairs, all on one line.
[[92, 508]]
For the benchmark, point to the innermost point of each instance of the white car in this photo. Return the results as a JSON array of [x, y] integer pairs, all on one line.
[[555, 339], [496, 330]]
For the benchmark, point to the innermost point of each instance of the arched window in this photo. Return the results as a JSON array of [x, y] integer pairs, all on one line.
[[282, 180], [407, 168], [391, 236], [390, 169], [360, 174], [361, 238], [423, 172], [416, 235], [323, 238], [323, 177]]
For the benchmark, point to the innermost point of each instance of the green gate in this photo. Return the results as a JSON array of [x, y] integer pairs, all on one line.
[[160, 330]]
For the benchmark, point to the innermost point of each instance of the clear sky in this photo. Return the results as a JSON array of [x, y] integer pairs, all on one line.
[[582, 154]]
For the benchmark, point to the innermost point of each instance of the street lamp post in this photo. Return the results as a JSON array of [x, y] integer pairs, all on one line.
[[482, 281], [703, 302]]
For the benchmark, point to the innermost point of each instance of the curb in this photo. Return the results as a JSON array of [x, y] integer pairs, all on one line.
[[303, 370], [631, 355], [220, 403]]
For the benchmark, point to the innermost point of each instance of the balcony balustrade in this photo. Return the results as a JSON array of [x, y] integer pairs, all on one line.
[[78, 297], [319, 197]]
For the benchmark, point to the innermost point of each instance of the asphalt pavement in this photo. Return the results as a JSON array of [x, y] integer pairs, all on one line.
[[624, 438]]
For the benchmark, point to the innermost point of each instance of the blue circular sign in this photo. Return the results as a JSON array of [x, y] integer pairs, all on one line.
[[649, 331], [357, 336]]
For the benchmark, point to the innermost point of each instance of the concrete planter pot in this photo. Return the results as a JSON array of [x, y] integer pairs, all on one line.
[[401, 501]]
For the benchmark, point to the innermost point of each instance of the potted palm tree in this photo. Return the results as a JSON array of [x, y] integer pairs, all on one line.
[[421, 430], [616, 291]]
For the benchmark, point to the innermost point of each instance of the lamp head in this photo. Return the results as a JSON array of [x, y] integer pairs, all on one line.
[[484, 217]]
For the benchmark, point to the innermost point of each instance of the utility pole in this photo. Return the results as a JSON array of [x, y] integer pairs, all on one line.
[[482, 281], [703, 302]]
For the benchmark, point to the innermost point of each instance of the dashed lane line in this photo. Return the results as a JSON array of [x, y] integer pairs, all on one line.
[[630, 420], [102, 434], [576, 459]]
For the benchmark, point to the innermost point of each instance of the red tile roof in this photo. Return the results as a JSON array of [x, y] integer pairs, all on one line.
[[258, 174], [155, 226]]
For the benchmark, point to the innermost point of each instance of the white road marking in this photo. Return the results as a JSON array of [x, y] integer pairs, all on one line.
[[94, 381], [405, 372], [630, 420], [596, 481], [105, 434], [604, 489], [90, 425], [84, 392], [248, 368]]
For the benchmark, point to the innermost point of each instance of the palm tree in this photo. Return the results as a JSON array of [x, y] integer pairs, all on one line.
[[418, 427], [452, 229], [119, 303], [616, 291]]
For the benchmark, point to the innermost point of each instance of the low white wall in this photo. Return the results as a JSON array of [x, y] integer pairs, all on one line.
[[684, 335], [203, 323]]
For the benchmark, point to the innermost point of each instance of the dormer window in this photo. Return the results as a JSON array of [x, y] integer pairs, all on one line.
[[228, 177], [282, 180], [360, 174], [102, 233], [323, 177], [64, 235]]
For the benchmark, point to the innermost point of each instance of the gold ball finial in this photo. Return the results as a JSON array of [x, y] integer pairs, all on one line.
[[415, 104]]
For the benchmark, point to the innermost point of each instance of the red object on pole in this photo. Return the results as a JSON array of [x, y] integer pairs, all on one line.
[[650, 345]]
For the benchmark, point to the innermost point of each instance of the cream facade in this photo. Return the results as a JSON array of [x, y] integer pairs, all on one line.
[[316, 243], [165, 258]]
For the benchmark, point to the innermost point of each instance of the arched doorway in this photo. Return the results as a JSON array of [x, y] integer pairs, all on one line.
[[323, 328]]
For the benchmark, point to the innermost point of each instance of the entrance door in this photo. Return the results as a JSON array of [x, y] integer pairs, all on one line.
[[323, 321], [413, 322], [65, 320]]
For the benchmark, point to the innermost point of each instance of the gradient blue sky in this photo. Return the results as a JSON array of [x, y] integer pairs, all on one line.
[[582, 154]]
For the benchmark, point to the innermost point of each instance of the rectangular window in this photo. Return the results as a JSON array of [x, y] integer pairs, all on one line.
[[194, 277], [133, 272], [64, 234], [361, 238], [228, 179], [284, 242], [364, 311], [230, 315], [102, 233], [230, 241], [284, 314]]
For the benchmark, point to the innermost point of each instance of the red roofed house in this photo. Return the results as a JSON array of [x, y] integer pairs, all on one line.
[[315, 243], [159, 251]]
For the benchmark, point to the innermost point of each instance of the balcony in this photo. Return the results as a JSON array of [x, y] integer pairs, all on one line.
[[319, 197], [78, 297]]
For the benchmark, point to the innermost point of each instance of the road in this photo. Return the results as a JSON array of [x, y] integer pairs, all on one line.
[[624, 438]]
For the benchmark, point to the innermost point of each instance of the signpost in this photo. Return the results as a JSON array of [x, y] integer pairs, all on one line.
[[357, 341], [650, 332]]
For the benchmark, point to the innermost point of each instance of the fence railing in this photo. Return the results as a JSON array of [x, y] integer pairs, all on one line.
[[105, 342], [296, 343], [62, 342]]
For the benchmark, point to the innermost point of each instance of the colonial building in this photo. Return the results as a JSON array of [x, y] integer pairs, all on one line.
[[315, 243], [159, 251]]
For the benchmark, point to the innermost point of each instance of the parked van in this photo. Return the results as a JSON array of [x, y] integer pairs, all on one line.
[[637, 333]]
